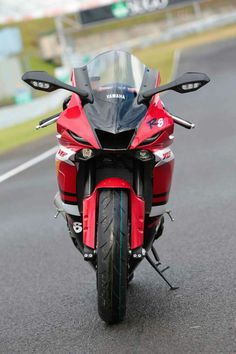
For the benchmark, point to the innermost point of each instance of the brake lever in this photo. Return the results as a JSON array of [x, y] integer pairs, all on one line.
[[182, 122]]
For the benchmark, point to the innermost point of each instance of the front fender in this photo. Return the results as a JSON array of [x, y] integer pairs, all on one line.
[[136, 207]]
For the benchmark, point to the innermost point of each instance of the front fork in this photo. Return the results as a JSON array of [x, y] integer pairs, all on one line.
[[144, 230], [83, 228]]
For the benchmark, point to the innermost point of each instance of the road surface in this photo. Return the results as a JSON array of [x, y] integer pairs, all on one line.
[[48, 293]]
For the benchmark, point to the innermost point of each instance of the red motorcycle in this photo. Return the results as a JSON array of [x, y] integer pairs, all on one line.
[[114, 166]]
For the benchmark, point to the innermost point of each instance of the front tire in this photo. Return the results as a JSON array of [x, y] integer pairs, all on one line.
[[112, 254]]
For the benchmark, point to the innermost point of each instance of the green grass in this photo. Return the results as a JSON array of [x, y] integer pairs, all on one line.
[[36, 63], [13, 137], [31, 32]]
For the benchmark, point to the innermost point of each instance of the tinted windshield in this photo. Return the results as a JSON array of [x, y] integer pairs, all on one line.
[[116, 78], [116, 75]]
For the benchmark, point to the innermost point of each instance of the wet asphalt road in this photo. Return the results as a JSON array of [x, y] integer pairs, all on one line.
[[48, 293]]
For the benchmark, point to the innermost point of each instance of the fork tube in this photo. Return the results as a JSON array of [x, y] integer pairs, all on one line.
[[89, 180], [138, 181]]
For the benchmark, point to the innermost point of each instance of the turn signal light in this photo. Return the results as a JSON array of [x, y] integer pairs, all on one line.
[[192, 86], [40, 84]]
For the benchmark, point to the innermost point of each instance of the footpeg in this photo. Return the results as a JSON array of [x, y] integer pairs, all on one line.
[[155, 254]]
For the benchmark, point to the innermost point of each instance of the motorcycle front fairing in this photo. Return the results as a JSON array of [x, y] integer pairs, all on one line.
[[115, 79]]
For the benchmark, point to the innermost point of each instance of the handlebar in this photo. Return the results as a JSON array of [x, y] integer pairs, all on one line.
[[52, 119], [48, 121], [183, 123]]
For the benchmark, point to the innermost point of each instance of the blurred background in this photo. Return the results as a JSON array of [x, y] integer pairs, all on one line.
[[56, 36], [48, 300]]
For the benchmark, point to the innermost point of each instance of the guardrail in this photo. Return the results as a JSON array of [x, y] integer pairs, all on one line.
[[180, 31], [17, 114]]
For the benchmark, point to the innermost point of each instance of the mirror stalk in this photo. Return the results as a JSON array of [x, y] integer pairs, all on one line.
[[41, 80]]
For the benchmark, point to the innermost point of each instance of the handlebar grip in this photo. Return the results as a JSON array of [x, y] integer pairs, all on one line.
[[183, 123]]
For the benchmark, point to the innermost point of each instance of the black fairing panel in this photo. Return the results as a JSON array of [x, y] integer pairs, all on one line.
[[115, 117], [116, 141]]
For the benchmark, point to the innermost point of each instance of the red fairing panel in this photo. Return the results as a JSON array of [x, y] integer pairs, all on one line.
[[157, 120], [137, 220], [89, 220], [137, 210], [162, 178], [66, 177], [75, 120]]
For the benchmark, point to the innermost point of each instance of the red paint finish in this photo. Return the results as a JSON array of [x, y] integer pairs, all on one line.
[[66, 178], [75, 120], [162, 178], [137, 220], [137, 211], [113, 182], [147, 130], [89, 220], [68, 198]]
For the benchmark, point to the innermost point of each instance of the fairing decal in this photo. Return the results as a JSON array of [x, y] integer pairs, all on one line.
[[65, 154], [156, 120], [163, 156]]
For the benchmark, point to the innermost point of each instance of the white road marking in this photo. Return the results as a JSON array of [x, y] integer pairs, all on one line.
[[28, 164], [195, 327]]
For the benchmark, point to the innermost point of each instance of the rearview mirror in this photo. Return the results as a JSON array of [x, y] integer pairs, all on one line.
[[188, 82], [41, 80]]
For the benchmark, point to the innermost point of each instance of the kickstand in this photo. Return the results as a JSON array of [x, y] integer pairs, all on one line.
[[157, 258], [155, 266]]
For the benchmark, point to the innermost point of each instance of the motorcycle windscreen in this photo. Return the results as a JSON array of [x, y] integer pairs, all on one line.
[[115, 78]]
